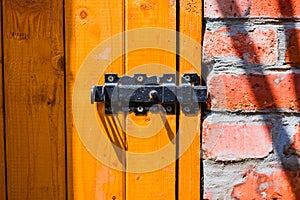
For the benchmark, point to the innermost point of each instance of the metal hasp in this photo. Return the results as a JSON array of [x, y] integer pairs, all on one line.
[[141, 93]]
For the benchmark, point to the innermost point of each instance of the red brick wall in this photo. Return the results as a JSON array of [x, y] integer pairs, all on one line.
[[251, 137]]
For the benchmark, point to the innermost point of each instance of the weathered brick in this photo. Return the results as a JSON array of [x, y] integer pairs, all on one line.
[[233, 141], [251, 8], [226, 8], [296, 142], [293, 49], [243, 137], [279, 185], [258, 46], [275, 8], [277, 91]]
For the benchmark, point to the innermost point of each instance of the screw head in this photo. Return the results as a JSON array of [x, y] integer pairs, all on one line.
[[140, 78], [187, 109], [187, 78], [140, 109], [110, 78], [169, 78], [169, 108]]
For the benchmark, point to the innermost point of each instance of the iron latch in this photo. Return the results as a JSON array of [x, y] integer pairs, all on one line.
[[141, 93]]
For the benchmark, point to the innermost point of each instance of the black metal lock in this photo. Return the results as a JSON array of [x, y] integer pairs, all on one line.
[[140, 93]]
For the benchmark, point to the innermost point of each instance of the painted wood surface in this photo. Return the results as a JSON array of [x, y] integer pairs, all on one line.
[[158, 184], [189, 164], [44, 45], [88, 23], [2, 131], [34, 99]]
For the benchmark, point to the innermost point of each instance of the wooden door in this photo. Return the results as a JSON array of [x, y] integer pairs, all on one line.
[[88, 24], [48, 150], [33, 151]]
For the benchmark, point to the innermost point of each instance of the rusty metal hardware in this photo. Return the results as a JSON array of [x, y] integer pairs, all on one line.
[[141, 93]]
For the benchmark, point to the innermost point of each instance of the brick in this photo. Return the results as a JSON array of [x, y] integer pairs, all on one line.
[[234, 141], [226, 8], [281, 184], [276, 91], [254, 8], [258, 46], [293, 49], [296, 142], [275, 8]]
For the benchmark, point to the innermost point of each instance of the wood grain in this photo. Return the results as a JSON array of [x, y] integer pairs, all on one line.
[[88, 23], [35, 112], [189, 164], [158, 184], [2, 146], [34, 99]]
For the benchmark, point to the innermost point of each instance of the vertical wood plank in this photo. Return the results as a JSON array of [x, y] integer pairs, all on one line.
[[34, 99], [159, 184], [88, 23], [2, 146], [189, 164]]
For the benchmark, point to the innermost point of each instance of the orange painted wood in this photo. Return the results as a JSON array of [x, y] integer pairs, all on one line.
[[159, 184], [88, 23], [34, 96], [34, 99], [2, 147], [189, 164]]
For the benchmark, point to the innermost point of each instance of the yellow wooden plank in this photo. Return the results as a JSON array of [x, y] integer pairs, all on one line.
[[88, 23], [2, 147], [147, 134], [189, 164], [34, 99]]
